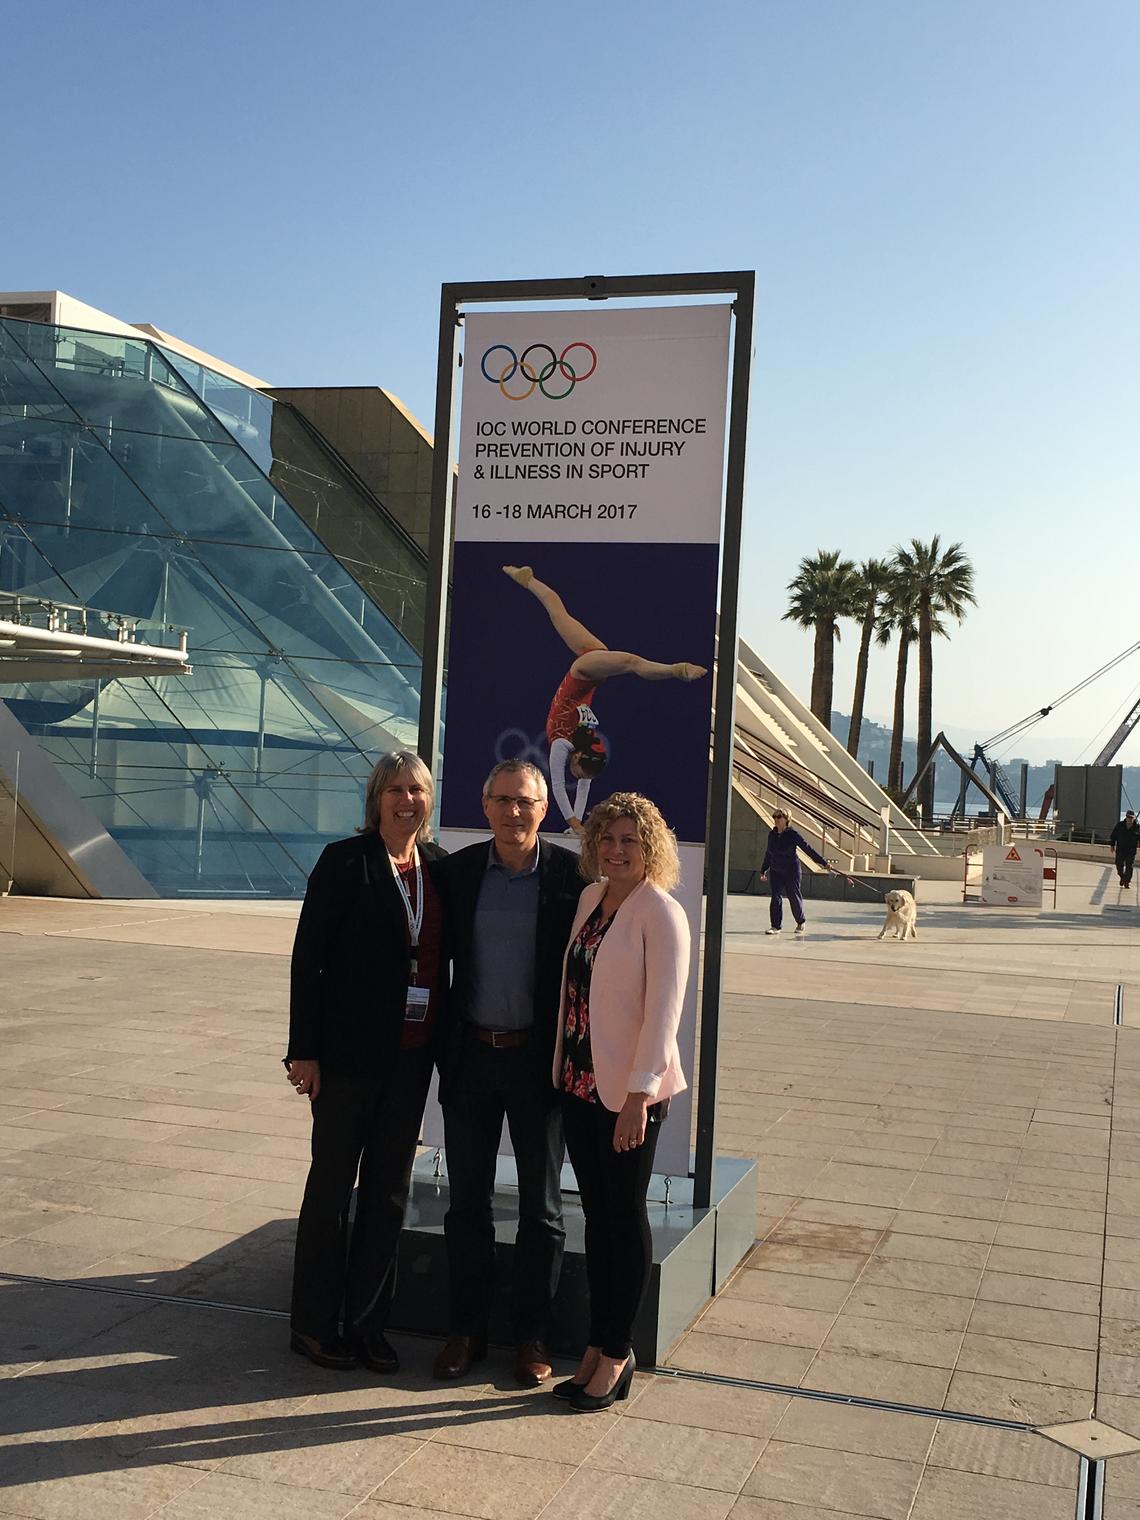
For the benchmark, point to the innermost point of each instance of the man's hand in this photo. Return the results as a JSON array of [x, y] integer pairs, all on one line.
[[305, 1076], [629, 1127], [763, 876]]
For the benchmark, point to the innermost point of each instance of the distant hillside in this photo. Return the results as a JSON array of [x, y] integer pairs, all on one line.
[[875, 745]]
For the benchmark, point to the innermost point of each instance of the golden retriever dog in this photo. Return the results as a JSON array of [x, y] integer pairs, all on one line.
[[902, 911]]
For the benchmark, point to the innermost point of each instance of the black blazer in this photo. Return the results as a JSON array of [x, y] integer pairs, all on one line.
[[351, 961], [559, 886]]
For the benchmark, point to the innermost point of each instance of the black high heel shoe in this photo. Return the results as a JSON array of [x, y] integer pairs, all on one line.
[[582, 1402], [569, 1388]]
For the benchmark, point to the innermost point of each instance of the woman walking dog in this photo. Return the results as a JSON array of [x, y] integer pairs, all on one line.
[[783, 864]]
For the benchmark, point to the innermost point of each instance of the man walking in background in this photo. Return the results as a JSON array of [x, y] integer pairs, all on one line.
[[1124, 839]]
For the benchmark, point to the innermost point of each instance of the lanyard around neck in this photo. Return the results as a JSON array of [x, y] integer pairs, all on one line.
[[416, 914]]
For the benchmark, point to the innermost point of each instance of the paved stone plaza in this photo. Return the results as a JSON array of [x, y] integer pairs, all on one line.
[[948, 1134]]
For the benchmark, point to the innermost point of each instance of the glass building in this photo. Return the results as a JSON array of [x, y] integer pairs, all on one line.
[[149, 485]]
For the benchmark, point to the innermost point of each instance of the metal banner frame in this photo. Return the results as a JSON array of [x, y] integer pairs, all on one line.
[[741, 286]]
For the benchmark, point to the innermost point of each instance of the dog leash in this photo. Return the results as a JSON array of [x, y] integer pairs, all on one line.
[[866, 885]]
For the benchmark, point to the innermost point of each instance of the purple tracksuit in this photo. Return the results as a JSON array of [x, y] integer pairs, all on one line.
[[783, 867]]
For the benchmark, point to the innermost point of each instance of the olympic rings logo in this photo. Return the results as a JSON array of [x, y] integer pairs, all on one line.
[[562, 373]]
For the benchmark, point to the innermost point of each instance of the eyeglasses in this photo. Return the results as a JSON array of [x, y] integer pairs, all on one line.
[[524, 804]]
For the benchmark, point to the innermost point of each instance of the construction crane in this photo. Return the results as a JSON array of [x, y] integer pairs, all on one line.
[[1000, 781], [1110, 749]]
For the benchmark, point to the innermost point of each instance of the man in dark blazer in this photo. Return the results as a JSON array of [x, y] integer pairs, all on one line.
[[509, 905]]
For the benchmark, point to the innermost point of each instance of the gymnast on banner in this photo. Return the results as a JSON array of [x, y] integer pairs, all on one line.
[[577, 747]]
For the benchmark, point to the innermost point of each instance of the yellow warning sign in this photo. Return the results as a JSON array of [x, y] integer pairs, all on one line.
[[1013, 855]]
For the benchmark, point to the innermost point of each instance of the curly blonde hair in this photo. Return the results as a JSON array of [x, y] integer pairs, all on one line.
[[658, 841]]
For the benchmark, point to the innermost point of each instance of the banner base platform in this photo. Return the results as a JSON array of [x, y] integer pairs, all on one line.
[[695, 1251]]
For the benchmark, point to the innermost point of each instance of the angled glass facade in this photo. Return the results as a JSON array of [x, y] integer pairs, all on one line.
[[135, 481]]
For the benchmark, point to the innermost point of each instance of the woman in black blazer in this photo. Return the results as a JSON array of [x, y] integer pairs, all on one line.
[[364, 1011]]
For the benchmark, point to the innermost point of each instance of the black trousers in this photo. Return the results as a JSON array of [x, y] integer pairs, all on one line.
[[1125, 860], [492, 1085], [370, 1123], [619, 1246]]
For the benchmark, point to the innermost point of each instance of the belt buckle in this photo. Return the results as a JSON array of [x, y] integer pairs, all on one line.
[[496, 1034]]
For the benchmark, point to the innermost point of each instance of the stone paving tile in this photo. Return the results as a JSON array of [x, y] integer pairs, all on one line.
[[1025, 1457], [792, 1291], [1027, 1361], [946, 1495], [734, 1356], [690, 1455], [807, 1261], [65, 1486], [877, 1377], [224, 1496], [905, 1306], [677, 1401], [737, 1316], [1040, 1292], [1011, 1399], [748, 1508], [1018, 1322], [855, 1482], [844, 1427], [943, 1226], [904, 1343], [621, 1496], [1051, 1264], [825, 1235]]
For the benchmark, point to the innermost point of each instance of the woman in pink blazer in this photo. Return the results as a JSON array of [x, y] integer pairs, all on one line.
[[616, 1065]]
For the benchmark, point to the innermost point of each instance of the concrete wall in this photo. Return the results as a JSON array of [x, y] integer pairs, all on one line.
[[381, 440]]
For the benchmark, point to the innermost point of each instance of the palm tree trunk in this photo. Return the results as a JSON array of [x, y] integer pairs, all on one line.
[[894, 766], [824, 646], [855, 727], [925, 675], [827, 680]]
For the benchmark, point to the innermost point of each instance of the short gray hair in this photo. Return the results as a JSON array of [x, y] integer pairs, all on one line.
[[397, 762], [516, 768]]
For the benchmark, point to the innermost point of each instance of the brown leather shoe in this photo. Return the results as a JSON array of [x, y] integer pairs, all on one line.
[[532, 1364], [459, 1355]]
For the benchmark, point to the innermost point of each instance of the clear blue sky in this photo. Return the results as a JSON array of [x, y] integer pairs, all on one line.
[[940, 202]]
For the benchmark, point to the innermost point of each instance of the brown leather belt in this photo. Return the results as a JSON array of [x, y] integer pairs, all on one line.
[[501, 1039]]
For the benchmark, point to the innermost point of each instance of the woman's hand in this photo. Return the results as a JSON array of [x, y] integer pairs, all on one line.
[[305, 1076], [629, 1128]]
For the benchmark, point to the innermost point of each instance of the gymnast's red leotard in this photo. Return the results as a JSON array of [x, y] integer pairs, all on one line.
[[564, 717]]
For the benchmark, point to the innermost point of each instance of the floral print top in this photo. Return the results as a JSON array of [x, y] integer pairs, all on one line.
[[577, 1058]]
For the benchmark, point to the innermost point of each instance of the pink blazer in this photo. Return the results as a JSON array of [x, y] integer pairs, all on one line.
[[636, 989]]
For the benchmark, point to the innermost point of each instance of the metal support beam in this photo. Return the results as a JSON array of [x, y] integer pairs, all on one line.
[[724, 721], [439, 530], [1090, 1489]]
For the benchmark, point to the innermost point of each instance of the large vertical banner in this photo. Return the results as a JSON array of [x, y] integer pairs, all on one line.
[[587, 543]]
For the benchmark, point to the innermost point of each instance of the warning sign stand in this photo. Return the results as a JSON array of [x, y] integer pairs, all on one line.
[[1014, 875]]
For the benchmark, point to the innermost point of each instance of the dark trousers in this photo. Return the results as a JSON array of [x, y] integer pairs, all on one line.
[[372, 1124], [492, 1085], [1125, 860], [782, 886], [619, 1246]]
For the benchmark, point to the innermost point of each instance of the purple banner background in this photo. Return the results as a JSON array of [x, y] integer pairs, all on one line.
[[506, 661]]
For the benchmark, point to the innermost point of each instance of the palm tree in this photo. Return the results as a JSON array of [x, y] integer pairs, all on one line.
[[823, 591], [941, 582], [874, 575], [897, 616]]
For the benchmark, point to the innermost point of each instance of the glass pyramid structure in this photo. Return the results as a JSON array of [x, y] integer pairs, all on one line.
[[138, 482]]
